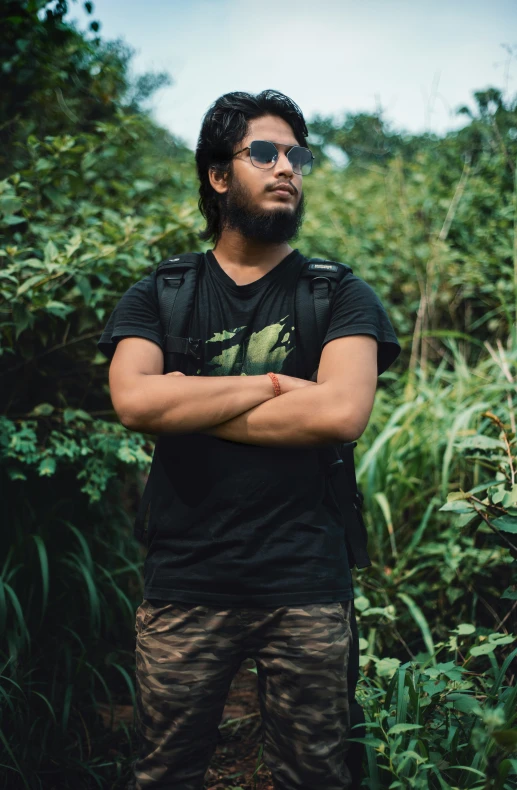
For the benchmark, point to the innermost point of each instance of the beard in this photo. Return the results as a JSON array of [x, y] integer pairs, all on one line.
[[273, 227]]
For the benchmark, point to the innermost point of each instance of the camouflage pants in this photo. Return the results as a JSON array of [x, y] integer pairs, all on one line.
[[186, 658]]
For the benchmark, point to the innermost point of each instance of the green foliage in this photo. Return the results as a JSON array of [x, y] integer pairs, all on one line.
[[433, 230], [69, 580], [430, 568], [58, 82], [92, 196], [446, 725]]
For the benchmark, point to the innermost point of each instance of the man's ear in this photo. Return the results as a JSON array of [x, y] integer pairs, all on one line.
[[218, 179]]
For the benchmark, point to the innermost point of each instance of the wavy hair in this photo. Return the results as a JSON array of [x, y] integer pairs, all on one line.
[[224, 125]]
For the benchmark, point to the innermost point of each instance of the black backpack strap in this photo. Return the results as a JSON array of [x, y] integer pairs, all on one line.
[[341, 473], [317, 282], [176, 280], [140, 529]]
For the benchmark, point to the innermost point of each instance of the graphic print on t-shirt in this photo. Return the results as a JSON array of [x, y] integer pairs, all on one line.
[[261, 352]]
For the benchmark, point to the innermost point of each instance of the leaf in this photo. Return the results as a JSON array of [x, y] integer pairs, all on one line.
[[483, 650], [22, 318], [75, 414], [140, 185], [385, 667], [371, 741], [47, 467], [419, 618], [126, 454], [398, 728], [510, 593], [458, 495], [464, 519], [496, 493], [99, 359], [43, 558], [42, 410], [51, 252], [458, 506], [506, 524], [84, 287], [450, 670], [501, 639], [464, 703], [434, 687], [16, 474], [12, 219], [464, 629], [480, 442], [507, 766], [510, 497], [58, 308], [506, 738], [361, 603], [28, 283]]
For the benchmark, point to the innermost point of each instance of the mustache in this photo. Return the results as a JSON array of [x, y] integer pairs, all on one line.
[[287, 184]]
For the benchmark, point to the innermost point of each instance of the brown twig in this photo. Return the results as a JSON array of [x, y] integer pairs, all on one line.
[[502, 428], [505, 618], [494, 529]]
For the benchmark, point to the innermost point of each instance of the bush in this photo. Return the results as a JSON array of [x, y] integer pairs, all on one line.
[[92, 196]]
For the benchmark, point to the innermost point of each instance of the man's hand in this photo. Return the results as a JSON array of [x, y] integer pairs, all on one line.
[[287, 383]]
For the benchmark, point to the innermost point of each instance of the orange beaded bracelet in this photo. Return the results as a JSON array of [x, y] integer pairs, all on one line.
[[276, 383]]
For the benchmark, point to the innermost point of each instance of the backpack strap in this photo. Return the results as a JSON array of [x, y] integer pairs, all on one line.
[[341, 474], [176, 280], [317, 283], [141, 523]]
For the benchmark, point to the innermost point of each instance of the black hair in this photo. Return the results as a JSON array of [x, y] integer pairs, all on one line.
[[224, 125]]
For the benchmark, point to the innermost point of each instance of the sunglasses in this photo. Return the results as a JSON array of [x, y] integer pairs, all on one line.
[[264, 155]]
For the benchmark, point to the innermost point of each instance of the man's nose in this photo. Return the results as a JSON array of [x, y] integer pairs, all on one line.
[[283, 166]]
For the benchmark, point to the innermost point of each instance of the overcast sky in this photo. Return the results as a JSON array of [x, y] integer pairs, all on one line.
[[417, 59]]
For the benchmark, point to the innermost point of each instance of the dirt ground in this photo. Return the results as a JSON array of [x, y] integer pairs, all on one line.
[[235, 762]]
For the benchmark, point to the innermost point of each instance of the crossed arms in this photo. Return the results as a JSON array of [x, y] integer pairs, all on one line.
[[243, 408]]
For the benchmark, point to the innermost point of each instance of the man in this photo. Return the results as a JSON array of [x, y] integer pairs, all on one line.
[[246, 551]]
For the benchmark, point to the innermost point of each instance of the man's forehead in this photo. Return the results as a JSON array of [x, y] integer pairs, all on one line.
[[271, 128]]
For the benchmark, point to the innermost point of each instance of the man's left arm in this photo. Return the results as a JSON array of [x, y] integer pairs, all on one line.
[[335, 409]]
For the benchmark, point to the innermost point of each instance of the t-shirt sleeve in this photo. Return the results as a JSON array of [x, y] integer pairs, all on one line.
[[357, 310], [135, 315]]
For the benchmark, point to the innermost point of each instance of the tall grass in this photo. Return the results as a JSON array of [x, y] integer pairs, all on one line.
[[427, 571], [447, 726], [69, 583], [71, 580]]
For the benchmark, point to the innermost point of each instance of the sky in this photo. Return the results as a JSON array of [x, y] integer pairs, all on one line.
[[416, 60]]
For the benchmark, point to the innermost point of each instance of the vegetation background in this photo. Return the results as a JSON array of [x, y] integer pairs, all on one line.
[[93, 195]]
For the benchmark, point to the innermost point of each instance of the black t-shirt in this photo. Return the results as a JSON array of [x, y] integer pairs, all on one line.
[[233, 523]]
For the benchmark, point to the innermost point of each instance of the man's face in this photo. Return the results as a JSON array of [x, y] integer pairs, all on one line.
[[266, 205]]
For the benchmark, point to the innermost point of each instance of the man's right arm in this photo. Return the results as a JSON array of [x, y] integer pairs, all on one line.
[[146, 400]]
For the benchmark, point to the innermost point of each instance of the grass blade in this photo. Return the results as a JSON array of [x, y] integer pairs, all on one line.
[[419, 618]]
